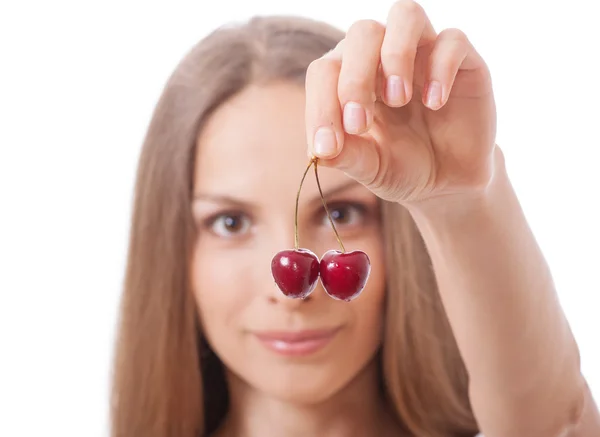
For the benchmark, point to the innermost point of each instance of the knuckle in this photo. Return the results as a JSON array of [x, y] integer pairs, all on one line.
[[454, 34], [407, 7], [399, 55], [356, 89], [319, 67], [367, 28], [354, 84], [312, 68]]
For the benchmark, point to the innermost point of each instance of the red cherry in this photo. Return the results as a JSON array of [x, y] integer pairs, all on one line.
[[344, 275], [295, 272]]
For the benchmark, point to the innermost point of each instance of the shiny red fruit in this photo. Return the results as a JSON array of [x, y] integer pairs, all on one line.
[[344, 275], [295, 272]]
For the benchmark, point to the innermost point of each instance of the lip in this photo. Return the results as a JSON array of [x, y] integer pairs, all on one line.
[[296, 343]]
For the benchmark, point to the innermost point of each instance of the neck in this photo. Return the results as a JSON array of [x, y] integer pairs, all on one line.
[[356, 410]]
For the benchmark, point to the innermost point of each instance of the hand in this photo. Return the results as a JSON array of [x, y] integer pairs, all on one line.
[[405, 111]]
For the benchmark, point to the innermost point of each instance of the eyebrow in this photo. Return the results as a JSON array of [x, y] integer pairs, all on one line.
[[223, 198], [336, 190]]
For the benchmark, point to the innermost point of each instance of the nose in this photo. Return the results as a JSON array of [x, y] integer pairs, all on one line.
[[276, 297]]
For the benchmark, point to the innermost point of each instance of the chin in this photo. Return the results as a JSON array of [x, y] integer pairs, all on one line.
[[303, 386]]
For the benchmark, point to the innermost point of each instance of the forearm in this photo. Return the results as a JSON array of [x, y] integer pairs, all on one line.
[[500, 299]]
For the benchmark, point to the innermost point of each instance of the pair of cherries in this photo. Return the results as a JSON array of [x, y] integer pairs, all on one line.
[[296, 271], [343, 274]]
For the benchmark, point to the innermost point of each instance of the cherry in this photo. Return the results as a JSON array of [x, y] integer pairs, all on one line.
[[344, 274], [295, 272]]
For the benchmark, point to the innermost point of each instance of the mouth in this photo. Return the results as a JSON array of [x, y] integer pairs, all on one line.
[[296, 343]]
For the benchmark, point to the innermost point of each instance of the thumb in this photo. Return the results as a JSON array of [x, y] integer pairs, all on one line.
[[358, 157]]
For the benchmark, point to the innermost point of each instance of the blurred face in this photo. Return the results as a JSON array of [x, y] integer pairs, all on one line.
[[251, 156]]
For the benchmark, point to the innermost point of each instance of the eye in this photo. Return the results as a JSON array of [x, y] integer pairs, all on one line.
[[229, 225], [345, 214]]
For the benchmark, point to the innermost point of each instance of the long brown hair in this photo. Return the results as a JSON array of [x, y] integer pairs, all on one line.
[[166, 382]]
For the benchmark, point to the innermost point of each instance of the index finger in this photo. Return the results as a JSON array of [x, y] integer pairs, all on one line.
[[325, 133]]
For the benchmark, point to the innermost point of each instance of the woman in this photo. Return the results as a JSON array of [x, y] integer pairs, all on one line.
[[458, 330]]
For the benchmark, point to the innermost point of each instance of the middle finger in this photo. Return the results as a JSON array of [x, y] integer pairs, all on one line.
[[408, 28]]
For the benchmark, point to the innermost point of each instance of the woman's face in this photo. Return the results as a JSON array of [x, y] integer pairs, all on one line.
[[251, 157]]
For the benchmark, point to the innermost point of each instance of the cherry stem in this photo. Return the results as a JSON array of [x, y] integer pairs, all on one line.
[[337, 236], [296, 239]]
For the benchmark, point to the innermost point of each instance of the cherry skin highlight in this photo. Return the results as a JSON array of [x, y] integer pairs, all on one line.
[[295, 272], [344, 275]]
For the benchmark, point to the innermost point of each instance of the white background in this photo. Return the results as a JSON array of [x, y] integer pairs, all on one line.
[[78, 82]]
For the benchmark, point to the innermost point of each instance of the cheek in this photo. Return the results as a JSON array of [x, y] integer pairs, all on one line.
[[222, 299], [368, 308]]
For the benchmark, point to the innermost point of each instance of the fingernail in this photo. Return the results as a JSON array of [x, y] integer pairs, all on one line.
[[325, 142], [434, 94], [355, 118], [395, 90]]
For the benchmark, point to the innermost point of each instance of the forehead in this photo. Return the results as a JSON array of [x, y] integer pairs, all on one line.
[[256, 138]]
